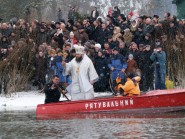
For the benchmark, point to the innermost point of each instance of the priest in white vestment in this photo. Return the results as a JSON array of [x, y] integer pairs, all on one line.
[[83, 75]]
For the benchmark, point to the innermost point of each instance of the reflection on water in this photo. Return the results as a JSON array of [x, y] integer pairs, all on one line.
[[92, 126]]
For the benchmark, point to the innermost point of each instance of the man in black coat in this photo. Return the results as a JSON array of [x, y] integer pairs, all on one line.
[[148, 27], [52, 93], [94, 14], [103, 34], [95, 31], [103, 72]]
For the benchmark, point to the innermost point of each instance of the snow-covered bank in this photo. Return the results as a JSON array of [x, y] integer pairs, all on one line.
[[21, 101], [27, 100]]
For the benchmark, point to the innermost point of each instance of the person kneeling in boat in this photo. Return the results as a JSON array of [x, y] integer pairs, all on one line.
[[52, 90], [131, 87]]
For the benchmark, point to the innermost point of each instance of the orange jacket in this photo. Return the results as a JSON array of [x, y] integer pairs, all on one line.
[[130, 88]]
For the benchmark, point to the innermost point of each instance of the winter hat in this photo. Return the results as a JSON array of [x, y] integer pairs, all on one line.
[[148, 35], [100, 50], [71, 33], [115, 49], [130, 56], [87, 44], [98, 45], [127, 30], [92, 42], [79, 49], [141, 45]]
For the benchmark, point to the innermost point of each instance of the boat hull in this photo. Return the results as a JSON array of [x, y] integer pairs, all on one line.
[[153, 102]]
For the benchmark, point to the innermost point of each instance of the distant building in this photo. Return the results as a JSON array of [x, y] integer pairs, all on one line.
[[180, 8]]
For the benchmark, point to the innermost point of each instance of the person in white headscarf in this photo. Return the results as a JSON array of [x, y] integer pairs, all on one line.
[[83, 75]]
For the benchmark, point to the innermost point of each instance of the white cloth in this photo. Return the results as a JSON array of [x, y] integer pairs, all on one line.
[[82, 74]]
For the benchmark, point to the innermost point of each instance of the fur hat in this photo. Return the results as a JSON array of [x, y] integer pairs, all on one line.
[[98, 45], [130, 56], [71, 33]]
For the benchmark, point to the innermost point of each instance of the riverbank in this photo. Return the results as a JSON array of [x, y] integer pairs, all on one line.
[[27, 100]]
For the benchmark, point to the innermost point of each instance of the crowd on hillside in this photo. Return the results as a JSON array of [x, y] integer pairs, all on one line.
[[119, 41]]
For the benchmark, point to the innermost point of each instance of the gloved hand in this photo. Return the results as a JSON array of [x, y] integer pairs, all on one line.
[[118, 80]]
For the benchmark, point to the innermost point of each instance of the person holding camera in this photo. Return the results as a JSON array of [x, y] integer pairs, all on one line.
[[159, 59]]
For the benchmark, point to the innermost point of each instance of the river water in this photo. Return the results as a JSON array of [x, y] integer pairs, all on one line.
[[25, 125]]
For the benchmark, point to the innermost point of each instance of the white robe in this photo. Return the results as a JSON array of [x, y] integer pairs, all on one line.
[[82, 73]]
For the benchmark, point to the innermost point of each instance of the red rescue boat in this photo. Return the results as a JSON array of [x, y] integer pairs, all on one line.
[[157, 101]]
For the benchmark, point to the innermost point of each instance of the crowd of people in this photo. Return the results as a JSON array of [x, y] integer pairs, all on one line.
[[118, 45]]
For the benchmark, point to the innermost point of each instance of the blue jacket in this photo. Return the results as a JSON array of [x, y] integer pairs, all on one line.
[[159, 58], [118, 63], [59, 71]]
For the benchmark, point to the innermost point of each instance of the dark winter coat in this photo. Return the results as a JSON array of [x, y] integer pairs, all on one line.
[[96, 15], [60, 40], [148, 29], [103, 73], [103, 36], [41, 38], [6, 32], [41, 67], [172, 33], [158, 32], [51, 95], [83, 37], [95, 33], [4, 44], [181, 29], [147, 62], [123, 51]]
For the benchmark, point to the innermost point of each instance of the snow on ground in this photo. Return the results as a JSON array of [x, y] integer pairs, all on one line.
[[28, 100]]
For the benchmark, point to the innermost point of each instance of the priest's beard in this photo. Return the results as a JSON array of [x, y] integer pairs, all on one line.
[[79, 59]]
